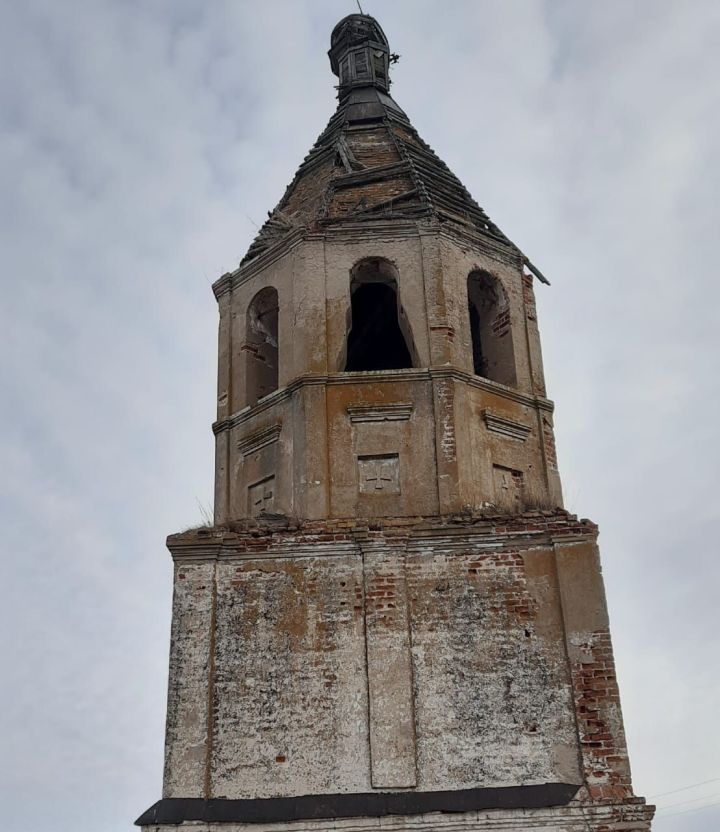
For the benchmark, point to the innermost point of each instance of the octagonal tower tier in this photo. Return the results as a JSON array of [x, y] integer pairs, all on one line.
[[379, 350]]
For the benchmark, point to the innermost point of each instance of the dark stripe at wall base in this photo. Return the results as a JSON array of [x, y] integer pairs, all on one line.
[[174, 810]]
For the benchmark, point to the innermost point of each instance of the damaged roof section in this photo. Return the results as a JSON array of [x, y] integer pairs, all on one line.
[[368, 164]]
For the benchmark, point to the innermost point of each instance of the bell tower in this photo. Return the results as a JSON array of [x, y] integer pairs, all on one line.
[[393, 620]]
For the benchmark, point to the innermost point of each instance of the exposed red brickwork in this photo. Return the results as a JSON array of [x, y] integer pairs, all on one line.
[[348, 200], [501, 324], [550, 448], [503, 574], [373, 147], [446, 403], [529, 297], [382, 595], [499, 575], [597, 703], [443, 329], [260, 534], [307, 193], [406, 135]]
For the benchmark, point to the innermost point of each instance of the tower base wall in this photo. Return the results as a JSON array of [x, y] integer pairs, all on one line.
[[412, 656]]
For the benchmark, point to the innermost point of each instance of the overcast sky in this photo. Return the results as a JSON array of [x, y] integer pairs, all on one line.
[[142, 142]]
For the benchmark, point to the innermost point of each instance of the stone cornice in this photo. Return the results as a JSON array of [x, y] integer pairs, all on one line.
[[490, 246], [383, 412], [368, 229], [281, 537], [231, 280], [221, 545], [506, 427], [423, 374], [258, 440]]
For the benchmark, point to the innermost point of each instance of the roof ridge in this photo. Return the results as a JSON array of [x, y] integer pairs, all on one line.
[[402, 152]]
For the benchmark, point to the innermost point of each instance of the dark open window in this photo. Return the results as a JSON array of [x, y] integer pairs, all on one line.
[[492, 345], [379, 67], [261, 345], [379, 337]]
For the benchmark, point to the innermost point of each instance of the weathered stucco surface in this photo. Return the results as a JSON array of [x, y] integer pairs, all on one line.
[[466, 433], [186, 749], [334, 658], [493, 692], [431, 653], [290, 694]]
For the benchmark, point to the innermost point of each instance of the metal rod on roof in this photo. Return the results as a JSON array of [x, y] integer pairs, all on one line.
[[360, 7]]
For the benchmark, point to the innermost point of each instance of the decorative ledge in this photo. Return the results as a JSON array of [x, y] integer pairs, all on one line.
[[275, 535], [505, 426], [177, 810], [260, 439], [380, 377], [502, 250], [392, 412]]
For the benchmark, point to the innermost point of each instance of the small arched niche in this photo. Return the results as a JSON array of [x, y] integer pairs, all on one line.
[[492, 345], [261, 346], [379, 336]]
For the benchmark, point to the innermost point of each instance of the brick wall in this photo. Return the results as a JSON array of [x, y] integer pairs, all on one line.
[[466, 609]]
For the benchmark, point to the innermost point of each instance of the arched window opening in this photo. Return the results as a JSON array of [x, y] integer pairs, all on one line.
[[492, 346], [261, 345], [379, 337]]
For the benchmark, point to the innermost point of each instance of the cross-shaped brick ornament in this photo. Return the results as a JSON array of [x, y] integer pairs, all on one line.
[[262, 496], [379, 473]]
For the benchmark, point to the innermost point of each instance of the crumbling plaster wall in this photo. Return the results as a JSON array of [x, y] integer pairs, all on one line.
[[290, 698], [497, 636], [297, 277], [356, 435], [312, 278], [458, 259], [454, 442], [493, 698], [496, 431], [187, 726], [313, 474]]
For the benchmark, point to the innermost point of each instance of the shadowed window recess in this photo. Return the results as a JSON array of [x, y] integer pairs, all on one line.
[[492, 345], [379, 336], [261, 345]]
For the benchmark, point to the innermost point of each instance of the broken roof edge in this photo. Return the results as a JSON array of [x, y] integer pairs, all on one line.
[[401, 227], [536, 272], [439, 190]]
